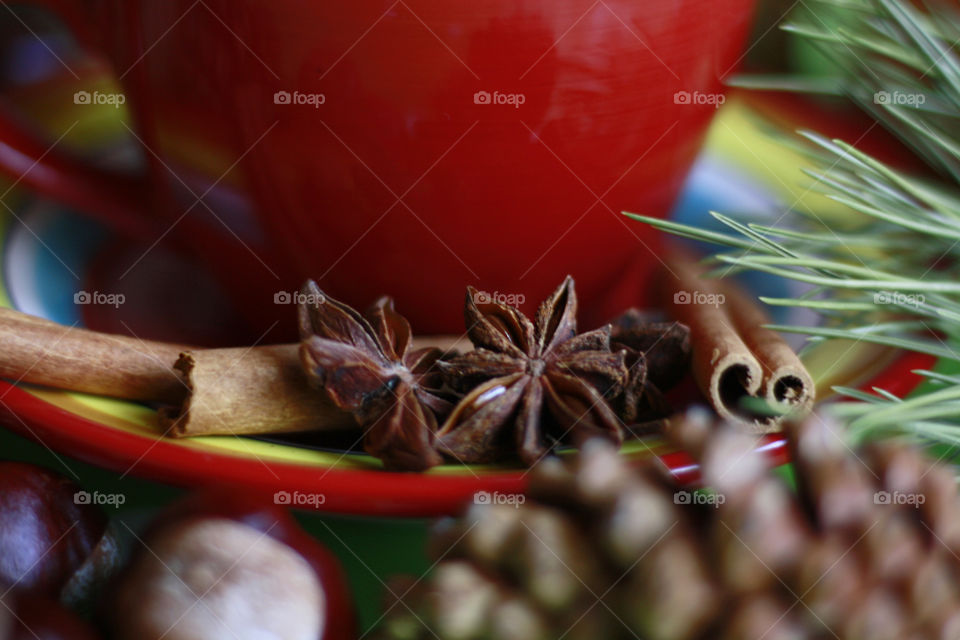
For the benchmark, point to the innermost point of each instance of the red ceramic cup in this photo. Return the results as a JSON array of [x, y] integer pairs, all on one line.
[[409, 147]]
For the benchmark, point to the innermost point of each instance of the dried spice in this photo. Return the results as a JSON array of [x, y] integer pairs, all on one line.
[[664, 345], [366, 366], [736, 355], [528, 385], [657, 356]]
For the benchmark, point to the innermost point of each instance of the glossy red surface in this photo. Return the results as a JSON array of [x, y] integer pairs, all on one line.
[[401, 182], [347, 491]]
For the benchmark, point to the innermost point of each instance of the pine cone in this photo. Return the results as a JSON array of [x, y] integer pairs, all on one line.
[[866, 546]]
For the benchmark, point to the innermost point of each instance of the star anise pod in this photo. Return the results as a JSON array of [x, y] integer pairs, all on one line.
[[664, 345], [657, 356], [366, 365], [529, 384]]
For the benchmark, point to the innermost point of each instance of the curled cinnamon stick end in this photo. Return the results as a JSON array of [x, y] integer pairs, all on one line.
[[733, 354], [786, 380], [723, 366], [249, 391]]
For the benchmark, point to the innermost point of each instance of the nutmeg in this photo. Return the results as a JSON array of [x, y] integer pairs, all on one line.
[[206, 578]]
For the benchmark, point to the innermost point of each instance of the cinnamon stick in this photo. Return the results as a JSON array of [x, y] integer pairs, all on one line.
[[43, 352], [723, 366], [202, 391], [249, 391], [223, 391], [786, 380], [734, 356]]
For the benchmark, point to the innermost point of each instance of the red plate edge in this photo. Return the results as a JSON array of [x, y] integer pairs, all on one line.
[[352, 492], [379, 493]]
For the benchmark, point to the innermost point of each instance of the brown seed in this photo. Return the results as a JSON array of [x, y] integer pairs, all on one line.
[[664, 345]]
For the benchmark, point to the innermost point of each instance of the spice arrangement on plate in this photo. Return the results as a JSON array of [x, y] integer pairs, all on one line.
[[526, 387]]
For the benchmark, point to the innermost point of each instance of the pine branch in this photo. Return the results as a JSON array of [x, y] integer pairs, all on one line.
[[892, 277]]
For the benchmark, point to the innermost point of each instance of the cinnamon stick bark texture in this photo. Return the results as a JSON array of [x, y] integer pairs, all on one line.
[[39, 351], [249, 391], [205, 391], [733, 355]]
